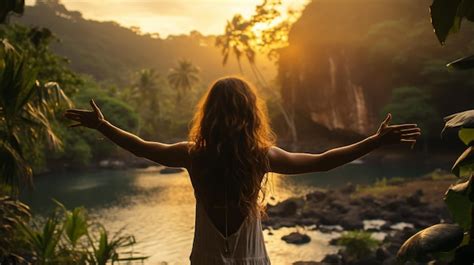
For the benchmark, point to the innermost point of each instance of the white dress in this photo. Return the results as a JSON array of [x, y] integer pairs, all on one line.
[[245, 247]]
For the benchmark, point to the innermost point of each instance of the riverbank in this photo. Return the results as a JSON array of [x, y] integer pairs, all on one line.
[[391, 209]]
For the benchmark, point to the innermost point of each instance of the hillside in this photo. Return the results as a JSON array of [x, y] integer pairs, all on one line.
[[108, 51]]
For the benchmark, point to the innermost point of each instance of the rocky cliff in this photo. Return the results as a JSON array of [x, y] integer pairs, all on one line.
[[346, 56]]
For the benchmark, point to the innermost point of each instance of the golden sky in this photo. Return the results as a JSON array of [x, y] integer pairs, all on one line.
[[168, 16]]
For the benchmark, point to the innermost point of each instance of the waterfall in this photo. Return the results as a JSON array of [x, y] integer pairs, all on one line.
[[361, 109], [341, 102]]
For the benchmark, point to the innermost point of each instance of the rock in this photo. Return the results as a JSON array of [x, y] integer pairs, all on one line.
[[329, 219], [351, 221], [340, 205], [296, 238], [332, 259], [349, 188], [382, 254], [386, 226], [307, 221], [334, 241], [415, 199], [112, 164], [171, 170], [370, 213], [285, 208], [283, 222], [316, 195], [393, 204], [307, 263], [369, 260], [391, 261]]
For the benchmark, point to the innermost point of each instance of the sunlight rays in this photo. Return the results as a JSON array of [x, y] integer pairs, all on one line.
[[168, 17]]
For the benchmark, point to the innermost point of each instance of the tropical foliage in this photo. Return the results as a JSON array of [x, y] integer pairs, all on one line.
[[459, 198], [358, 244], [183, 77], [26, 107], [447, 16], [68, 237]]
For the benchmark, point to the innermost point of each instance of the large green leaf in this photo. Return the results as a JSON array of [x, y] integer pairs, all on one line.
[[447, 16], [467, 136], [464, 165], [8, 6], [443, 17], [459, 198], [463, 119], [76, 224], [434, 239], [462, 63]]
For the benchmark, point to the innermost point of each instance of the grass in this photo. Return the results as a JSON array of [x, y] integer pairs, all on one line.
[[381, 186]]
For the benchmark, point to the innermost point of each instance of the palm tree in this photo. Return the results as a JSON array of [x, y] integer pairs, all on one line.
[[237, 39], [183, 76], [26, 110], [240, 39], [145, 93]]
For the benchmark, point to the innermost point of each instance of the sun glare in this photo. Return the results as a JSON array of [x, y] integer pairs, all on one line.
[[170, 17]]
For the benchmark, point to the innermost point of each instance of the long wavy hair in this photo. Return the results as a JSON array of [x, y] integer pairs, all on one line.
[[231, 136]]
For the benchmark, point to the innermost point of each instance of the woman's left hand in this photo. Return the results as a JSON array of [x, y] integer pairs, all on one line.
[[393, 134], [87, 118]]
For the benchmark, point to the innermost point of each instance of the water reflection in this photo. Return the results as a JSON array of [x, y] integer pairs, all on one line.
[[159, 209]]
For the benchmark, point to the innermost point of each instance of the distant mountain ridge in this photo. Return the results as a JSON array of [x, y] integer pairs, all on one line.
[[110, 52]]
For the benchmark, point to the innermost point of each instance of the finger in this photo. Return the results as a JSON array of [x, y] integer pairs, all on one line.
[[413, 130], [404, 126], [410, 135], [72, 116], [77, 111], [75, 125], [94, 106], [408, 141], [387, 119]]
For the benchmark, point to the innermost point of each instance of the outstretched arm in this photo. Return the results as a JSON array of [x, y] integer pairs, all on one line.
[[172, 155], [285, 162]]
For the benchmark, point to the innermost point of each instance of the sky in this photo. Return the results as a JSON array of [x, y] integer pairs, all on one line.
[[168, 16]]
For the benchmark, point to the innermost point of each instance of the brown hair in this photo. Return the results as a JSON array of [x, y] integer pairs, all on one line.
[[231, 136]]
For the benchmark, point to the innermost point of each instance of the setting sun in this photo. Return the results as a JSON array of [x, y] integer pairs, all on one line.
[[169, 17]]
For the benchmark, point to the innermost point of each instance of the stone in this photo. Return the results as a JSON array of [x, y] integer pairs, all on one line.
[[382, 254], [332, 259], [316, 196], [296, 238], [285, 208]]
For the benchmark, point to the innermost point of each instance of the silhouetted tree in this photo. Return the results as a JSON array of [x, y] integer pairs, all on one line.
[[183, 76]]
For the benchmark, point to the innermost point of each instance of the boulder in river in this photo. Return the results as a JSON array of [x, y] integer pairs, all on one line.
[[296, 238], [286, 208]]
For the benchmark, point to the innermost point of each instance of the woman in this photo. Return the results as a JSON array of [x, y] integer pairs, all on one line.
[[230, 149]]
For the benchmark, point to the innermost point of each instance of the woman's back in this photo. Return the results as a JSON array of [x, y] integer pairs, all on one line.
[[224, 232]]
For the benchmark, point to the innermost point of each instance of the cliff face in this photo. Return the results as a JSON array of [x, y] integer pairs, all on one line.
[[346, 56]]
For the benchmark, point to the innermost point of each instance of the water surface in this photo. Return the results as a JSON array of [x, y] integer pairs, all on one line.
[[159, 209]]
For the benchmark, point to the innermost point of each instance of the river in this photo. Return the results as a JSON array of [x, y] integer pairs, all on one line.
[[159, 209]]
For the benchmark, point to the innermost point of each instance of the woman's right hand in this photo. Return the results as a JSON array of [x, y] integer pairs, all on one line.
[[87, 118], [393, 134]]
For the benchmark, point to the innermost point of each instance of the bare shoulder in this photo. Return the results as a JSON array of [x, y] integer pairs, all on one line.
[[275, 153]]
